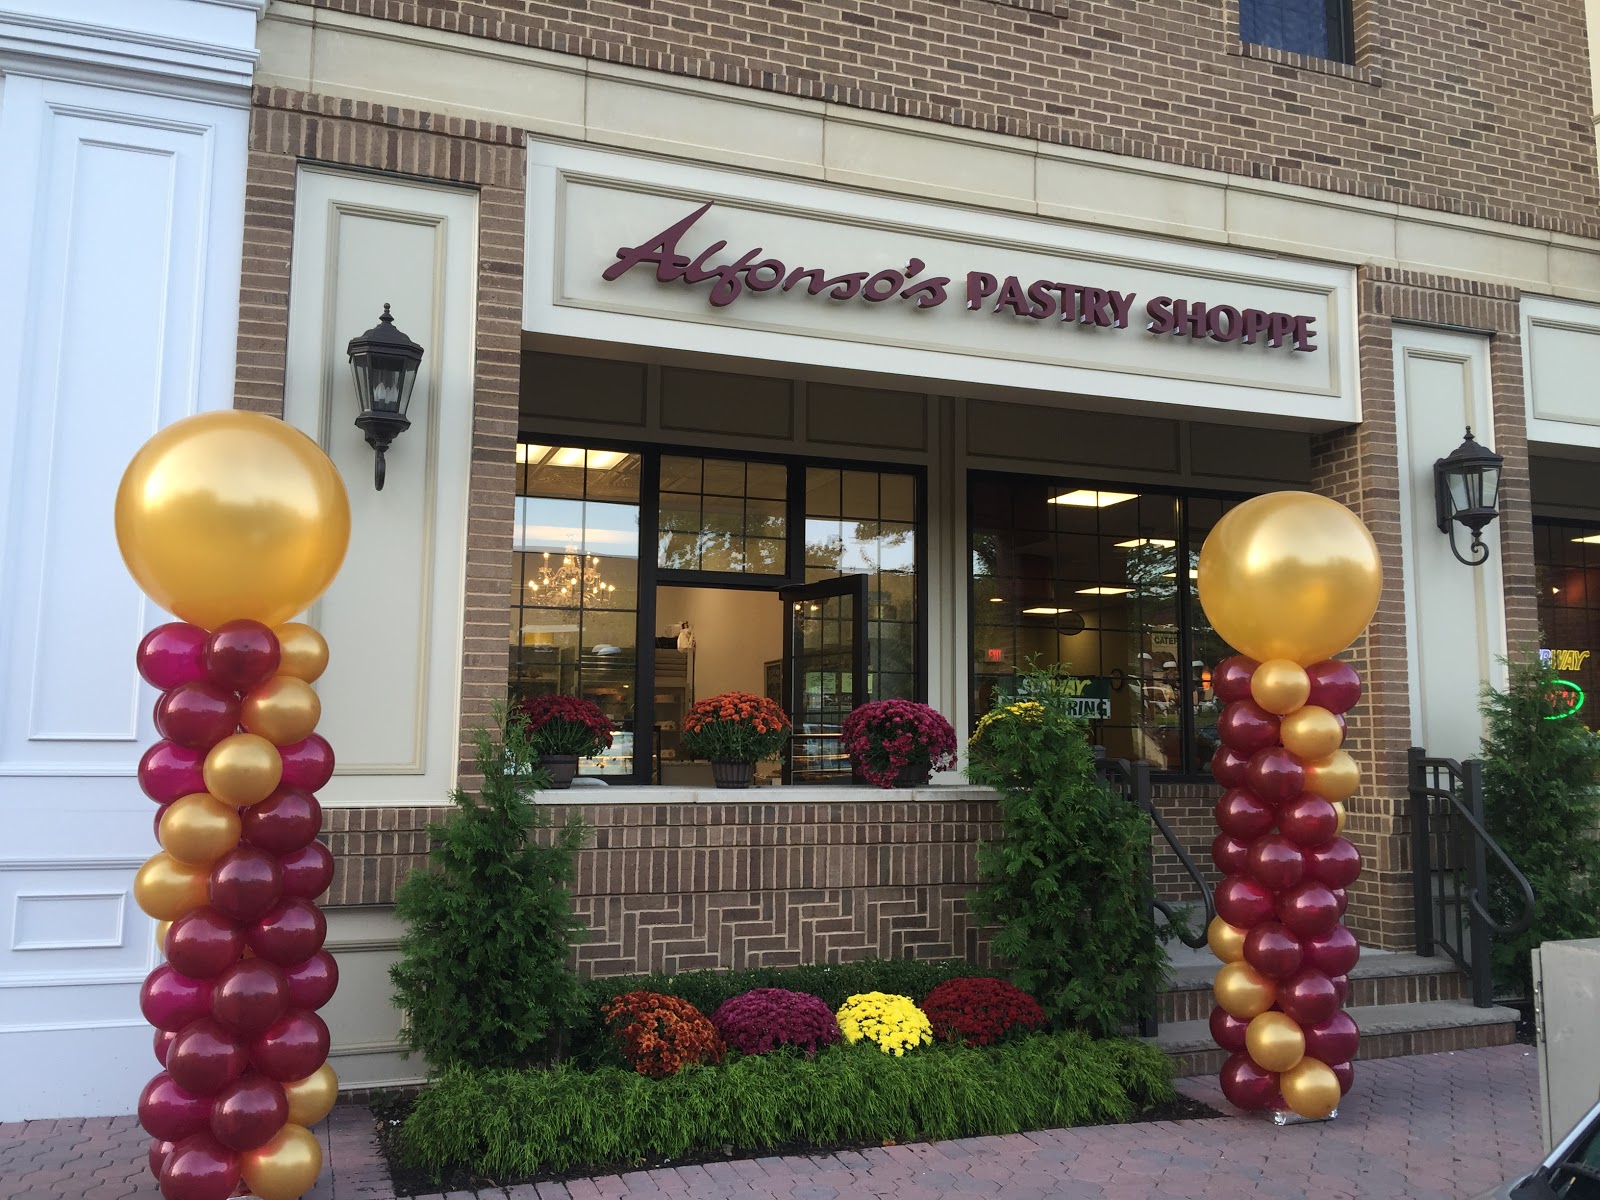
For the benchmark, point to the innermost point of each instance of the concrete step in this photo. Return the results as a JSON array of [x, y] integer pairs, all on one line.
[[1378, 979], [1387, 1031]]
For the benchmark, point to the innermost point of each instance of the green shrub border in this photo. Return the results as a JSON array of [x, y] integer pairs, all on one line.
[[508, 1125]]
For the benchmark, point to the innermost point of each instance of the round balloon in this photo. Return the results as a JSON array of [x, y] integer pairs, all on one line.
[[1289, 575], [168, 772], [199, 829], [1311, 733], [1309, 996], [205, 1057], [1246, 1085], [248, 1112], [170, 655], [1333, 953], [283, 822], [307, 765], [313, 982], [1274, 774], [289, 932], [312, 1098], [170, 1112], [156, 1155], [304, 652], [1242, 991], [197, 715], [1243, 815], [1341, 989], [1230, 682], [1335, 863], [1335, 685], [1228, 1030], [308, 871], [1345, 1073], [243, 769], [204, 943], [1275, 861], [199, 1168], [249, 996], [1274, 952], [232, 514], [1309, 909], [161, 938], [1280, 686], [170, 1000], [1333, 778], [1226, 942], [1242, 902], [1339, 817], [166, 888], [286, 1167], [162, 1044], [1247, 728], [284, 710], [1334, 1040], [1230, 854], [245, 883], [1308, 821], [291, 1047], [241, 654], [1310, 1089], [1274, 1041], [1228, 767]]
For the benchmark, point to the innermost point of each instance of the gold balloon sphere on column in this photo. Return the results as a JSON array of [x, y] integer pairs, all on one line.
[[1290, 575], [165, 888], [1310, 733], [1242, 991], [284, 710], [199, 829], [1226, 941], [1310, 1089], [1275, 1041], [303, 652], [1280, 686], [287, 1166], [312, 1098], [242, 770], [1341, 817], [1333, 778], [161, 937], [232, 514]]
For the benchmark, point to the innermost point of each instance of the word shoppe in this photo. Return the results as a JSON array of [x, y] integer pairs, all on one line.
[[731, 277]]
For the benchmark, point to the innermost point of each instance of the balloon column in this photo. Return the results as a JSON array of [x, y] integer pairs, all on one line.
[[235, 522], [1288, 580]]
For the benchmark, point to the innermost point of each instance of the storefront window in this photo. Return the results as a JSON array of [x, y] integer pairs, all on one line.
[[723, 514], [576, 583], [1099, 581], [1566, 556]]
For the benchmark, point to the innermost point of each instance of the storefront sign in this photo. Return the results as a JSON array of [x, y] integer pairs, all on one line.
[[1565, 699], [731, 276], [1564, 660], [1089, 698]]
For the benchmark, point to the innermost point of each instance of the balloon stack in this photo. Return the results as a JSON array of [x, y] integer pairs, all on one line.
[[1289, 579], [235, 522]]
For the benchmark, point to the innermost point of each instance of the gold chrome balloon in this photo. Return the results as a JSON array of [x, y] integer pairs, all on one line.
[[312, 1098], [1310, 733], [1338, 808], [1242, 991], [1226, 941], [1333, 778], [284, 710], [242, 770], [1310, 1089], [1280, 686], [161, 937], [232, 514], [1290, 575], [199, 829], [166, 888], [288, 1165], [1275, 1041], [303, 652]]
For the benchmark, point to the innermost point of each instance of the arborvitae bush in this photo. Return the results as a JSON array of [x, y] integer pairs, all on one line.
[[1540, 798], [1067, 885], [483, 976]]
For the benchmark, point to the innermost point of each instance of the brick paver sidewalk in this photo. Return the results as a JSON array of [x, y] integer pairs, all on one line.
[[1436, 1127]]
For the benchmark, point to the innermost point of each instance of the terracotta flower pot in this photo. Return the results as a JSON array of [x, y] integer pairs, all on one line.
[[733, 774]]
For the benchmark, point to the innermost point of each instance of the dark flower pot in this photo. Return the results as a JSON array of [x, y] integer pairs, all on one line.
[[906, 777], [563, 768], [733, 774]]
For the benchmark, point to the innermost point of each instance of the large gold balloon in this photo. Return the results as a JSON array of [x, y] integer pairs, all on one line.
[[287, 1166], [242, 770], [1310, 733], [312, 1098], [199, 829], [232, 514], [284, 710], [1333, 778], [1290, 575], [166, 888], [1226, 941], [1242, 991], [1275, 1041], [1280, 686], [1310, 1089], [303, 652]]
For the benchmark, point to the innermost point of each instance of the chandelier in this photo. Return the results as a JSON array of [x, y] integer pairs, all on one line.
[[570, 578]]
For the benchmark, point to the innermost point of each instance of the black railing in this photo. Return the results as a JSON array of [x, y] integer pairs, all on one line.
[[1450, 854]]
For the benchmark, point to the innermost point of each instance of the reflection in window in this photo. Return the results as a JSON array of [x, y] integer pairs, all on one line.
[[722, 514], [1316, 28], [1566, 560], [1101, 582]]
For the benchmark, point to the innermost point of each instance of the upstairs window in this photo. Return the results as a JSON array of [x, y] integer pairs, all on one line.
[[1316, 28]]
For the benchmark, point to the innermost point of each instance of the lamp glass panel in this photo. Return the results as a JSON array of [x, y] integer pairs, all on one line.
[[1457, 484], [1490, 486]]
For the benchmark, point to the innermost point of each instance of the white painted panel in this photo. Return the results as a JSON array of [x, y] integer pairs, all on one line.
[[1561, 359], [69, 920], [362, 1019], [393, 618], [1455, 614]]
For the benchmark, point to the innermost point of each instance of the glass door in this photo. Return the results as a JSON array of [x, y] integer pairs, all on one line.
[[824, 673]]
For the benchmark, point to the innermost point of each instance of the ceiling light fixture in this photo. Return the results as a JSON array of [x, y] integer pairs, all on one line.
[[1104, 591], [1089, 498], [1045, 611], [1140, 543]]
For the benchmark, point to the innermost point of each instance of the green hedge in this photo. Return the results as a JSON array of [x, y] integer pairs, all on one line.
[[508, 1125]]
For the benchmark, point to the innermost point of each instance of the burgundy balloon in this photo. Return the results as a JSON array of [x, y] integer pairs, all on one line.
[[249, 1111], [170, 1112], [283, 822], [162, 1043], [1243, 815], [155, 826], [1336, 863], [1228, 768], [203, 942], [1308, 997], [1275, 775], [241, 654], [167, 772], [1275, 861], [157, 1154], [1230, 681], [1343, 898], [1308, 909], [1247, 1085], [1335, 685], [249, 996], [1308, 820], [1334, 1040], [289, 932], [1242, 902], [291, 1048], [1341, 987], [1227, 1030], [199, 1168], [170, 1000], [1345, 1073], [307, 765], [171, 655], [1247, 727], [245, 882], [206, 1057], [1272, 950], [1333, 953], [197, 715], [312, 983], [1230, 854], [308, 871]]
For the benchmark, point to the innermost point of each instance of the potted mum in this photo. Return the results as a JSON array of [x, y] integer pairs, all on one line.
[[898, 743], [735, 731], [563, 729]]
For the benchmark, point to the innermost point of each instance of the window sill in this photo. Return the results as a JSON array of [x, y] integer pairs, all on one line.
[[1306, 62], [589, 790]]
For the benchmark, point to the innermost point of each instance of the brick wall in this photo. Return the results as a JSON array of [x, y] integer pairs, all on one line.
[[1473, 106]]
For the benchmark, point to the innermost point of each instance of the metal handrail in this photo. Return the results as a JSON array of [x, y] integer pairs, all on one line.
[[1135, 785]]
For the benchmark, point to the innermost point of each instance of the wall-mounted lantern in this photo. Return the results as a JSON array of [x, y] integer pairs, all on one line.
[[384, 362], [1466, 488]]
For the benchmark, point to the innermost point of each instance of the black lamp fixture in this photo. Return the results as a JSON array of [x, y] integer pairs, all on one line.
[[384, 362], [1466, 487]]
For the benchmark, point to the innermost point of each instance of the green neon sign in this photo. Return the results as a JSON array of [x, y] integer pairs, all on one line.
[[1563, 689]]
